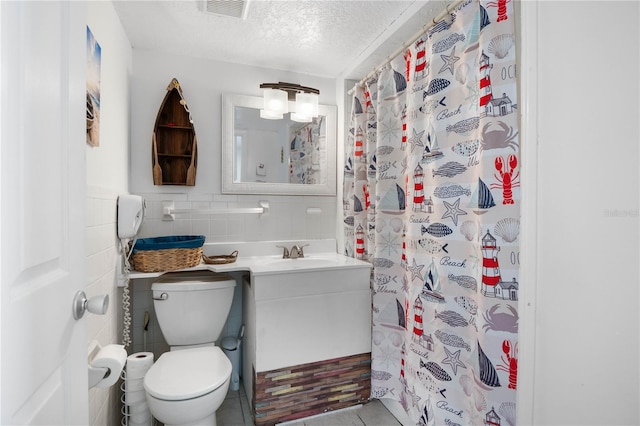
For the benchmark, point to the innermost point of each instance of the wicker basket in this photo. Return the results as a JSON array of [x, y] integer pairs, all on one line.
[[167, 253], [220, 259]]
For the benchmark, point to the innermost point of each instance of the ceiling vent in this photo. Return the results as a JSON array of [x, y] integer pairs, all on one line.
[[233, 8]]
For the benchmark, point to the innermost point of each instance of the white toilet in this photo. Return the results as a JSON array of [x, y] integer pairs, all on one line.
[[188, 384]]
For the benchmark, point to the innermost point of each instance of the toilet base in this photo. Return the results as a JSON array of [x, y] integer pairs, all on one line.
[[183, 413]]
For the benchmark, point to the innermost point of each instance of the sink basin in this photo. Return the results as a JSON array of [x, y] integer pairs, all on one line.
[[313, 261], [304, 262]]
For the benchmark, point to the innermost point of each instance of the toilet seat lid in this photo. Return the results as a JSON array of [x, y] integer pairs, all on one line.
[[187, 373]]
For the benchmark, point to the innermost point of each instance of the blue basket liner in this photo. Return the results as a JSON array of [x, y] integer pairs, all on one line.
[[172, 242]]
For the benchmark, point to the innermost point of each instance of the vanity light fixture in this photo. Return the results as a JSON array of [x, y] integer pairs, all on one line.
[[276, 103], [277, 95]]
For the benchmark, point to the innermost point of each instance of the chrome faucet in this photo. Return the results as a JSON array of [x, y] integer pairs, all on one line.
[[296, 251], [285, 252]]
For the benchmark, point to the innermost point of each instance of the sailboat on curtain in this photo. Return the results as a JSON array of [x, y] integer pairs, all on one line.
[[431, 150], [431, 289], [481, 198], [488, 373], [393, 316], [394, 201], [427, 414]]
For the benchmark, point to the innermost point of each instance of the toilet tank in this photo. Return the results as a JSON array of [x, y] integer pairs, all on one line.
[[192, 308]]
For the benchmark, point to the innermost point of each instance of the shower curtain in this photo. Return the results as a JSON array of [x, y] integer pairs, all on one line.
[[432, 200]]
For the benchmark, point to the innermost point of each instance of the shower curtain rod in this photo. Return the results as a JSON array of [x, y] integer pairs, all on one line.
[[416, 36]]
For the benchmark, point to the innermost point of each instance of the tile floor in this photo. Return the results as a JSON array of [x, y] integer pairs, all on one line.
[[235, 412]]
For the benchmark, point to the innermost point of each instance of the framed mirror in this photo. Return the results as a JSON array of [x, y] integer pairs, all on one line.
[[278, 157]]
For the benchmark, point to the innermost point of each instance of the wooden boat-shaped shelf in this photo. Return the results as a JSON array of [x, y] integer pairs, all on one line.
[[174, 152]]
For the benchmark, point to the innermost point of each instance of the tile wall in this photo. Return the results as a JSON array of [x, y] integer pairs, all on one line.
[[101, 253], [288, 218]]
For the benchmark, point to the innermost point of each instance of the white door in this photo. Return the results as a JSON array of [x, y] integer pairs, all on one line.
[[43, 352]]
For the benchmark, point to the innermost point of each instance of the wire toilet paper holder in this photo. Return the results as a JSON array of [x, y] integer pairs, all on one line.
[[132, 387]]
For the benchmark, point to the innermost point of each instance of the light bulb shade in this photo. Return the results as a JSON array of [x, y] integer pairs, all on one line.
[[276, 101], [300, 118], [270, 115], [306, 104]]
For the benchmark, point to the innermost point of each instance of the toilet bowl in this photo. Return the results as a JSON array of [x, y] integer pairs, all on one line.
[[186, 387]]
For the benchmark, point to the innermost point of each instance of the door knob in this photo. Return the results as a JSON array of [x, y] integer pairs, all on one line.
[[96, 305]]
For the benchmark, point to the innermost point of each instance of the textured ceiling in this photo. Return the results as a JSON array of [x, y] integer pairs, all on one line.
[[328, 38]]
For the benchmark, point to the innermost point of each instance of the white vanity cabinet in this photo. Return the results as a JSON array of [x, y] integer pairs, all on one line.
[[295, 318]]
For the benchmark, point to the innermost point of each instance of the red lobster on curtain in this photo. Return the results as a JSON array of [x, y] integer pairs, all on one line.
[[510, 365], [502, 9], [507, 180]]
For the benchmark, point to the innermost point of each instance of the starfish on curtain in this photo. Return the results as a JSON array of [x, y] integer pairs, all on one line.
[[453, 359], [416, 139], [453, 211], [449, 61], [416, 270]]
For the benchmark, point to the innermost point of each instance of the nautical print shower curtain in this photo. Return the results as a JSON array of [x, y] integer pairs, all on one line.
[[432, 200]]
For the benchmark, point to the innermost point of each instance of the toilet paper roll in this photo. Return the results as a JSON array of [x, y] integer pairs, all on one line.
[[148, 422], [139, 409], [139, 413], [133, 385], [112, 357], [135, 397], [141, 421], [138, 364]]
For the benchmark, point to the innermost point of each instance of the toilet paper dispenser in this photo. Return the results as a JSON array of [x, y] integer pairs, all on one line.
[[96, 374], [105, 364]]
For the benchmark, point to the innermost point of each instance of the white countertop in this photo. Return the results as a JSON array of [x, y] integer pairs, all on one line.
[[261, 259]]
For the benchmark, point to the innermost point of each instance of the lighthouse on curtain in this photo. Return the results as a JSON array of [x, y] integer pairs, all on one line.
[[359, 242], [418, 188], [418, 309], [421, 62], [403, 258], [490, 267], [403, 145], [485, 80], [359, 144]]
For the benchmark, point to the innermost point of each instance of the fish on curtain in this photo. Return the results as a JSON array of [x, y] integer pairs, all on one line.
[[432, 200]]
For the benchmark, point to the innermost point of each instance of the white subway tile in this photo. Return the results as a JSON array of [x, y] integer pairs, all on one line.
[[200, 227], [182, 227], [218, 227], [93, 212], [200, 197], [160, 228], [107, 211]]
